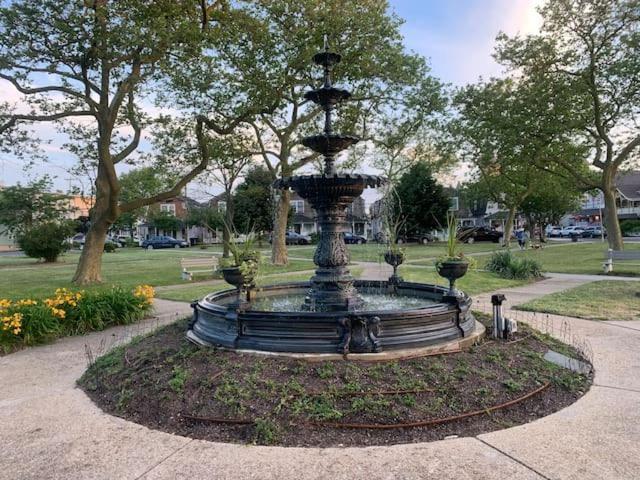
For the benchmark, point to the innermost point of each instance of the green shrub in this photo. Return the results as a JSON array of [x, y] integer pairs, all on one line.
[[109, 247], [507, 265], [499, 262], [629, 226], [46, 240], [130, 242]]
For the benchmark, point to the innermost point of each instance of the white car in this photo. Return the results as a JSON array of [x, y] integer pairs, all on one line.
[[554, 232], [572, 230]]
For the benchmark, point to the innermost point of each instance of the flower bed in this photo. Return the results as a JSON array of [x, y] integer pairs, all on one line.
[[34, 321]]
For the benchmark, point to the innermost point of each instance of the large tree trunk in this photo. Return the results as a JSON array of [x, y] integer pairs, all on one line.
[[531, 227], [89, 266], [508, 227], [614, 234], [279, 254]]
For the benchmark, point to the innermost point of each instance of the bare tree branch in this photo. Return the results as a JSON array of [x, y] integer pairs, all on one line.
[[14, 119], [180, 184], [50, 88], [137, 129]]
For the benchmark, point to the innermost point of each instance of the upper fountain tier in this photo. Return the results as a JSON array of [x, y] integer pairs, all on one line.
[[328, 143]]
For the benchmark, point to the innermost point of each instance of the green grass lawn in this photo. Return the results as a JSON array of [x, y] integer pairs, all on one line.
[[602, 300], [195, 291], [473, 282], [373, 252], [23, 277], [579, 257]]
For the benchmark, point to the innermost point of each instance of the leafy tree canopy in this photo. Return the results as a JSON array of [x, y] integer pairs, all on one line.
[[22, 207], [419, 201], [164, 221], [254, 202]]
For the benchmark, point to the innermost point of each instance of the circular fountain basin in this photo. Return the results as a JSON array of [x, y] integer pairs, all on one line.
[[396, 317]]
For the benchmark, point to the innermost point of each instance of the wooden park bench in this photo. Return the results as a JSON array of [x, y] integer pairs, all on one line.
[[198, 265], [623, 255]]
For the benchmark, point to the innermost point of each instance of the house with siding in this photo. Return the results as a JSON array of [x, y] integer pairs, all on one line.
[[177, 207], [627, 201], [304, 217]]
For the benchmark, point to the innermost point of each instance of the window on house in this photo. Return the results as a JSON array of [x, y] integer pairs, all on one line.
[[297, 206], [454, 204], [222, 206], [168, 207]]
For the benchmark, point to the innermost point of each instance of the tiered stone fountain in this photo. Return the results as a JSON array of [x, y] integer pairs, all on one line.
[[333, 312]]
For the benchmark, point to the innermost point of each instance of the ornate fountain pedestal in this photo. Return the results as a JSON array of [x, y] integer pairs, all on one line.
[[332, 286]]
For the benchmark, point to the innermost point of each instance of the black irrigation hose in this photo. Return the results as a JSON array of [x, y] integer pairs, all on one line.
[[427, 423], [232, 421]]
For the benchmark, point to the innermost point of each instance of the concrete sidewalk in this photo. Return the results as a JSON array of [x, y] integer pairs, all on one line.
[[51, 430]]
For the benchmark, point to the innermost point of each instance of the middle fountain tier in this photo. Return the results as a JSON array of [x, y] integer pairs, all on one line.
[[332, 286]]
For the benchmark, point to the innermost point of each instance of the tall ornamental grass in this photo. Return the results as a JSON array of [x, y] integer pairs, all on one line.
[[507, 265]]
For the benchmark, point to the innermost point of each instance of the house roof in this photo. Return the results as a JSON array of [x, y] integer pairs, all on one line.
[[302, 218], [499, 215], [628, 184]]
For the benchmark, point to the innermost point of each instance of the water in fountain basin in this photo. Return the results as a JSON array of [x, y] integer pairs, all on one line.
[[372, 302]]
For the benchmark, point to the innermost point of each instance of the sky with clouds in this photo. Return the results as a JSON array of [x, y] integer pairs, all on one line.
[[457, 36]]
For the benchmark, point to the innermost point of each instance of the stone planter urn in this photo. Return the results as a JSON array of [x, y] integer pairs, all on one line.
[[233, 276], [452, 270], [395, 259]]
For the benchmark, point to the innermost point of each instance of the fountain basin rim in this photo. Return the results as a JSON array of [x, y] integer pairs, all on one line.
[[209, 301], [453, 346]]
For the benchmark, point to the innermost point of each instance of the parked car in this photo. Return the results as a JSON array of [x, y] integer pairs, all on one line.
[[163, 241], [124, 239], [554, 232], [352, 238], [571, 231], [595, 231], [422, 238], [293, 238], [479, 234], [79, 239], [115, 240]]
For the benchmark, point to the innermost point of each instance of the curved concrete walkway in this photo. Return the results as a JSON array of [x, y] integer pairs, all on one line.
[[51, 430]]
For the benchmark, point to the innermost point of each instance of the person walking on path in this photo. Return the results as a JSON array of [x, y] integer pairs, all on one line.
[[520, 237]]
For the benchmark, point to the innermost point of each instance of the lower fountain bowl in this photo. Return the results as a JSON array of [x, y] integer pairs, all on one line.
[[428, 317]]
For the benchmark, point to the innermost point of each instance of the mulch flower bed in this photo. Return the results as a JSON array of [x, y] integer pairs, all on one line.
[[166, 383]]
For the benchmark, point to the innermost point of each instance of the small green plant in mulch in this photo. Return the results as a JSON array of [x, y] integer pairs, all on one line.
[[176, 383], [512, 385], [316, 407], [266, 431], [124, 397], [327, 370]]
